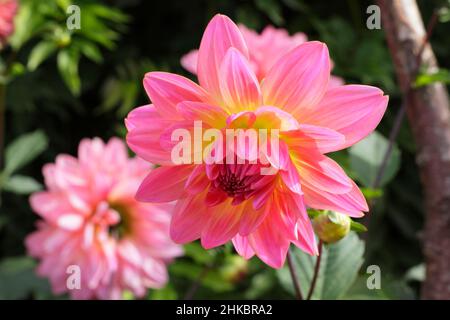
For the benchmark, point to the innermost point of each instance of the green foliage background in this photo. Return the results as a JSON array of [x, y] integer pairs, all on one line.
[[66, 86]]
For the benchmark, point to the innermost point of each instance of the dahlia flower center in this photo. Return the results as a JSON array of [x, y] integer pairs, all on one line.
[[121, 227], [232, 184], [238, 181]]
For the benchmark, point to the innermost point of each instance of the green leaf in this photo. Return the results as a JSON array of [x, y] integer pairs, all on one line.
[[391, 289], [339, 268], [357, 227], [18, 280], [212, 279], [424, 79], [166, 293], [90, 50], [39, 53], [367, 156], [370, 193], [198, 254], [23, 150], [68, 68], [272, 9], [22, 185]]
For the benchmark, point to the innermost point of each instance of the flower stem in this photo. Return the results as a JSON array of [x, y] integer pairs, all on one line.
[[294, 277], [316, 272]]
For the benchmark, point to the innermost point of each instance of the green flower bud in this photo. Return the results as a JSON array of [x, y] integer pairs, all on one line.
[[235, 268], [331, 226]]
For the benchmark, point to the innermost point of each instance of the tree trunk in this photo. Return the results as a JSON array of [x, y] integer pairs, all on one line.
[[429, 117]]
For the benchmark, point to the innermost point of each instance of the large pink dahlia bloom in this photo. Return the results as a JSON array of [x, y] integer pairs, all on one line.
[[264, 50], [8, 9], [217, 202], [92, 221]]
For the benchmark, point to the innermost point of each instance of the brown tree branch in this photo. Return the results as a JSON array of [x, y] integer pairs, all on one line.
[[429, 116]]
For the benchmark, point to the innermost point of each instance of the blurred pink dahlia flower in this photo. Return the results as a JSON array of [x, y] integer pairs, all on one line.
[[217, 202], [264, 50], [92, 221], [8, 9]]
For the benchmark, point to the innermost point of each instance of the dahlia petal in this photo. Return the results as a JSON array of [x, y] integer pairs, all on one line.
[[223, 224], [145, 127], [50, 206], [197, 180], [239, 86], [313, 137], [291, 177], [189, 61], [299, 79], [335, 82], [269, 245], [243, 247], [212, 115], [352, 110], [252, 218], [166, 90], [164, 184], [322, 173], [351, 203], [306, 239], [188, 219], [220, 35]]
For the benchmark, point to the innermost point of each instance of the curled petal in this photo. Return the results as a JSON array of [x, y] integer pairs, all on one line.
[[299, 79], [243, 247], [323, 173], [220, 35], [166, 90], [313, 137], [239, 86], [164, 184], [352, 110], [145, 127], [351, 203]]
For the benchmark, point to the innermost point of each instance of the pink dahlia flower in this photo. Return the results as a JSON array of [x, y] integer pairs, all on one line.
[[91, 221], [217, 202], [264, 50], [8, 9]]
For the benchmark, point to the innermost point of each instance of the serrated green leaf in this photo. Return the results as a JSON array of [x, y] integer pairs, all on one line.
[[339, 267], [23, 150], [367, 156]]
